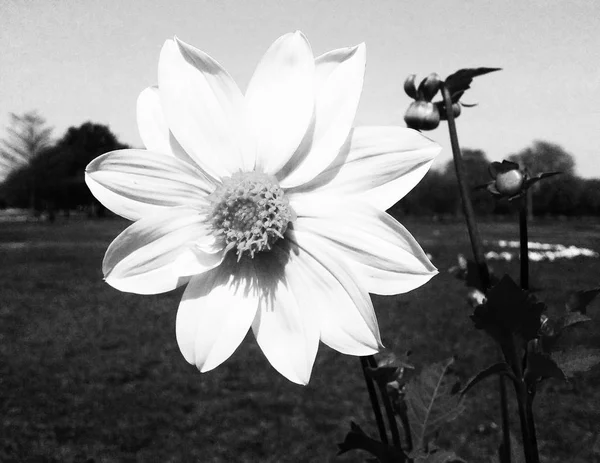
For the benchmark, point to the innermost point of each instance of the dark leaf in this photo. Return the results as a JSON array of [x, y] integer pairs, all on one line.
[[576, 360], [508, 309], [357, 439], [498, 368], [579, 300], [569, 319], [461, 79], [431, 402], [541, 366], [537, 178]]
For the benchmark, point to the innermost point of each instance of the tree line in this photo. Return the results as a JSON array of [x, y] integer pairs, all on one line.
[[46, 175], [49, 176], [563, 195]]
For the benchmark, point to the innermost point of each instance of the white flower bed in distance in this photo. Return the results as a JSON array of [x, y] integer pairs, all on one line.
[[540, 251]]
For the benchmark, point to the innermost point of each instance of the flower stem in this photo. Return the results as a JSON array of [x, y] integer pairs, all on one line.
[[364, 361], [476, 246], [385, 398], [523, 399], [524, 239]]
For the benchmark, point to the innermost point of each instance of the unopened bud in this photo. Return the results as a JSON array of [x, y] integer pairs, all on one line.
[[409, 86], [430, 86], [510, 183], [422, 115]]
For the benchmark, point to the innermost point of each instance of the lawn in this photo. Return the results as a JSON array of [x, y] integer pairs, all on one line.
[[91, 374]]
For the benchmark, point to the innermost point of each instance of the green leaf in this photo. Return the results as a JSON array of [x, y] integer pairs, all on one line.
[[579, 300], [461, 79], [431, 402], [498, 368], [576, 360]]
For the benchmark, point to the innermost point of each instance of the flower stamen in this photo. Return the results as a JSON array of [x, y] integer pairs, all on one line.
[[250, 212]]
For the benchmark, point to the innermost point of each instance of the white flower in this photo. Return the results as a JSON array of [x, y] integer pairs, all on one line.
[[269, 205]]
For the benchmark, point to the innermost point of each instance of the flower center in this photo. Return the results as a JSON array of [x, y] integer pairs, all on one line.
[[250, 212]]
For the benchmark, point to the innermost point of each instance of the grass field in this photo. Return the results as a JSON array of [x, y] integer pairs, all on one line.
[[91, 374]]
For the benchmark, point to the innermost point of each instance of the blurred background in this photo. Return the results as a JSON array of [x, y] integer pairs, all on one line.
[[91, 374]]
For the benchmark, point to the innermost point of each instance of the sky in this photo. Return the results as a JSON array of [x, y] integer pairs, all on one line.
[[81, 60]]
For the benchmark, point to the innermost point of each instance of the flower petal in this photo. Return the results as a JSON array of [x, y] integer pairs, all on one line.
[[380, 251], [286, 326], [136, 183], [338, 85], [153, 128], [344, 310], [203, 108], [152, 255], [214, 316], [381, 164], [280, 100]]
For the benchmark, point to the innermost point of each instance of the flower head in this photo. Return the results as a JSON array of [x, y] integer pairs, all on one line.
[[268, 204]]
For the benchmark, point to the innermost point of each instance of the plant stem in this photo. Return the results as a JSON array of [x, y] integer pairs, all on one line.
[[476, 246], [531, 420], [385, 398], [463, 187], [529, 440], [364, 361], [506, 444], [524, 239]]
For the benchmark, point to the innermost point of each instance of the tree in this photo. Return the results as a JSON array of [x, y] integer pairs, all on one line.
[[544, 156], [476, 166], [59, 170], [28, 136]]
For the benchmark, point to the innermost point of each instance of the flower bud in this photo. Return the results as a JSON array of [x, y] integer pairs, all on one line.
[[510, 183], [422, 115], [409, 86], [476, 298], [430, 86]]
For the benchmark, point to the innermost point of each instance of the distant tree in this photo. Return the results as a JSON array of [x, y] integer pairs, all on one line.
[[556, 195], [477, 172], [66, 164], [59, 169], [27, 137], [589, 201], [436, 194], [544, 156]]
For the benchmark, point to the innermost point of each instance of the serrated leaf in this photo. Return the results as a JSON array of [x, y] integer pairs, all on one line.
[[579, 300], [541, 366], [461, 79], [357, 439], [576, 360], [496, 369], [431, 402]]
